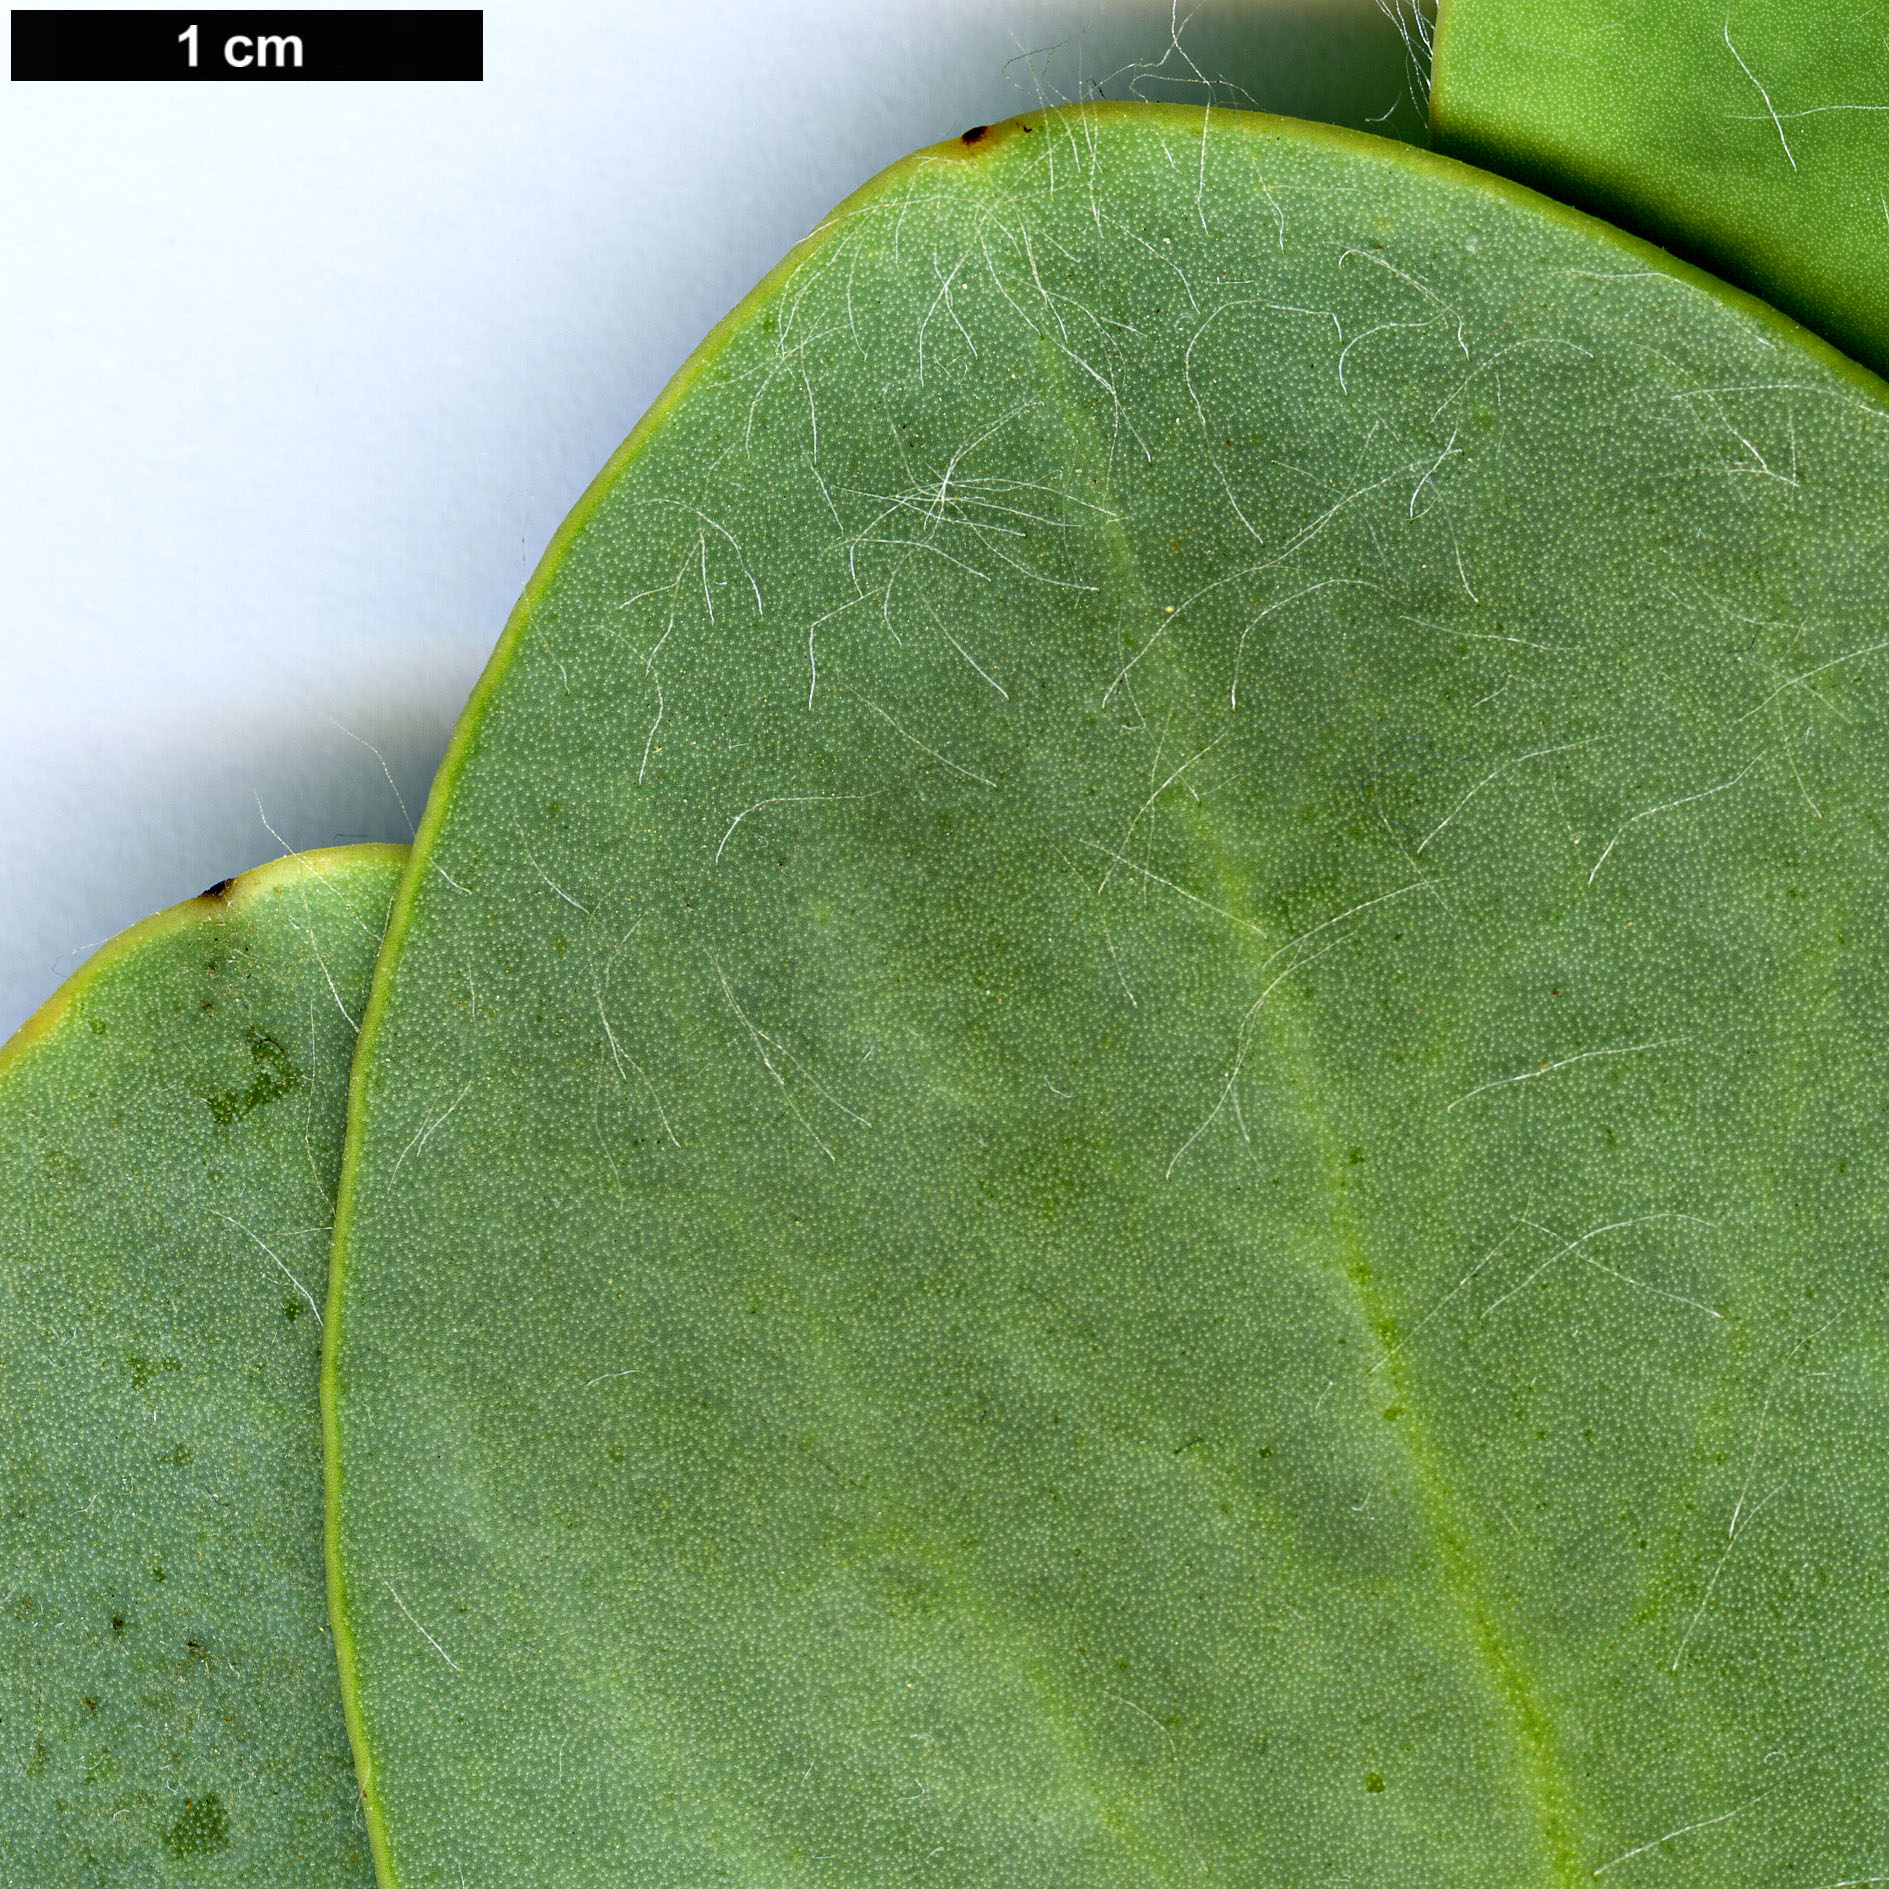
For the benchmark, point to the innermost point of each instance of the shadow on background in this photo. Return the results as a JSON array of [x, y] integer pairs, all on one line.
[[127, 793]]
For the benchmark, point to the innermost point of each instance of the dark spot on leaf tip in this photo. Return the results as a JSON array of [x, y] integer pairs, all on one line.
[[220, 891], [975, 132]]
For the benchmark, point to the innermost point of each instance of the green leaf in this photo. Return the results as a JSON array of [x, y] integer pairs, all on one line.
[[170, 1135], [1747, 137], [1126, 1120]]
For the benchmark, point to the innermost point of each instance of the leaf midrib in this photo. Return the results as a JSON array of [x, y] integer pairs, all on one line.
[[1528, 1720]]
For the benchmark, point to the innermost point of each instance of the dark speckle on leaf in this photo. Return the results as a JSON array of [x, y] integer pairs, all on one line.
[[142, 1370], [203, 1826], [275, 1077], [975, 132]]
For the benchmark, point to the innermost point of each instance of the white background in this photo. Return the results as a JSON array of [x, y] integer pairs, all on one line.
[[299, 379]]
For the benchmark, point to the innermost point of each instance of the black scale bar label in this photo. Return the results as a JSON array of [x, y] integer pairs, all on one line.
[[273, 46]]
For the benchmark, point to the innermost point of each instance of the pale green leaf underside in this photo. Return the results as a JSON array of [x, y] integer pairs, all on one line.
[[1127, 1119], [1749, 136], [170, 1137]]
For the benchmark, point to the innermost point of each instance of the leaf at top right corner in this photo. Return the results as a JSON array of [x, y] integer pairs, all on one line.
[[1752, 138]]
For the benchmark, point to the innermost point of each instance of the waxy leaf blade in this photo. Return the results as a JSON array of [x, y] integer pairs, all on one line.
[[1749, 138], [1126, 1119], [170, 1138]]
